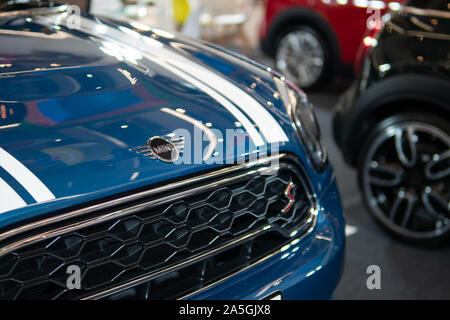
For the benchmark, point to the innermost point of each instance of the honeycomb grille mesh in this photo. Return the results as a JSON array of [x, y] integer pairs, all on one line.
[[163, 237]]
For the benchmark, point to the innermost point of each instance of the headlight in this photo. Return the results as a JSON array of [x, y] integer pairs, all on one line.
[[304, 118]]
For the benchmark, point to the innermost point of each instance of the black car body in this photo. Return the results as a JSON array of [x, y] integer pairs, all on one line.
[[393, 123]]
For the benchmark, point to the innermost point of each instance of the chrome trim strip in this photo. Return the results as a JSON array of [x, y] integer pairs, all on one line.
[[35, 11], [420, 34], [427, 12], [310, 223], [310, 229], [112, 215], [132, 197], [312, 220]]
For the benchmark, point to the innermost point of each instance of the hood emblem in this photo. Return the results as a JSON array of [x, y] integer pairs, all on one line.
[[164, 149]]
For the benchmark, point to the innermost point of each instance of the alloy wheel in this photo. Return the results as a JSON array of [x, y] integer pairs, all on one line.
[[301, 57], [406, 179]]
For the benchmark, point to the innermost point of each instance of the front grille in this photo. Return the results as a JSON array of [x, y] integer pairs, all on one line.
[[162, 244]]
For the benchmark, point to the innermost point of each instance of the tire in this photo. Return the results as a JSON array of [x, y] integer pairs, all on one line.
[[302, 56], [404, 176]]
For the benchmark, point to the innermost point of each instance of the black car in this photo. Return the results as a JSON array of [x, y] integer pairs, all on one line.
[[393, 124]]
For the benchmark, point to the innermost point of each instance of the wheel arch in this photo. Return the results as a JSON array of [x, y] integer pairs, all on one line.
[[298, 16], [404, 93]]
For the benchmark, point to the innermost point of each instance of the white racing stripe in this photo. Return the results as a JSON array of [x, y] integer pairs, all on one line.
[[269, 127], [136, 41], [10, 199], [208, 132], [201, 77], [252, 132], [25, 177]]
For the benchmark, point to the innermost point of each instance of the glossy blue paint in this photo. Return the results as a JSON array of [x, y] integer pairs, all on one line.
[[81, 99]]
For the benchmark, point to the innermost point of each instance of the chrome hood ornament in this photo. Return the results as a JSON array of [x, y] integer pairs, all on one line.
[[164, 149]]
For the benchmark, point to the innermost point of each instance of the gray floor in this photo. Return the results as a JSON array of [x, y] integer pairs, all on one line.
[[407, 272]]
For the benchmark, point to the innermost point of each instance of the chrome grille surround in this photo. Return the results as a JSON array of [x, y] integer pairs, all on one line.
[[116, 242]]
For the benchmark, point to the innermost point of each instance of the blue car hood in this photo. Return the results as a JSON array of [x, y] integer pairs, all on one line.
[[74, 102]]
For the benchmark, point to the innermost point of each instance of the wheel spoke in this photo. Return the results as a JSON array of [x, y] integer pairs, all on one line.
[[304, 72], [411, 199], [281, 64], [294, 44], [439, 198], [384, 175], [437, 161], [402, 197], [315, 61], [406, 150]]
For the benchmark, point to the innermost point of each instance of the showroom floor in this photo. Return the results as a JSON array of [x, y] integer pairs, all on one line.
[[405, 270]]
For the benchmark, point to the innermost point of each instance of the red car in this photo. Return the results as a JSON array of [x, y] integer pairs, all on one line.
[[313, 39]]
